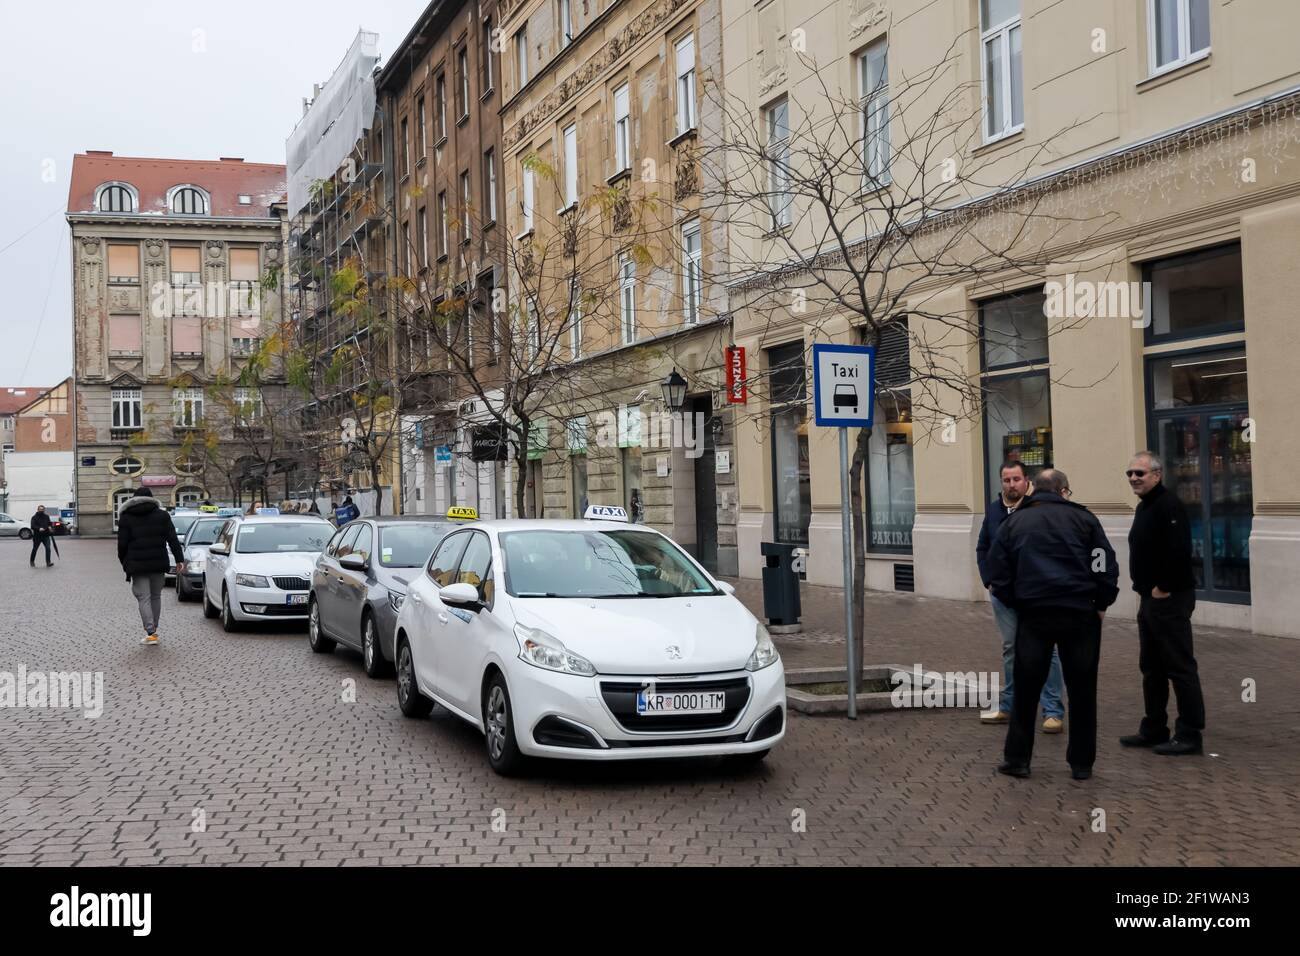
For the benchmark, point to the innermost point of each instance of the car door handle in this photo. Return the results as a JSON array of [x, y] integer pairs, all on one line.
[[443, 617]]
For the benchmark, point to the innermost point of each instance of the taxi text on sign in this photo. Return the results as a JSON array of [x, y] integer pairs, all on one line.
[[844, 385]]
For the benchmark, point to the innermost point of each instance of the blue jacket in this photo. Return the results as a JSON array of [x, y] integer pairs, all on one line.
[[994, 513], [1053, 553], [345, 513]]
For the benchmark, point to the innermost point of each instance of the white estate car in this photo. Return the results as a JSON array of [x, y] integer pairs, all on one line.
[[592, 640], [259, 568]]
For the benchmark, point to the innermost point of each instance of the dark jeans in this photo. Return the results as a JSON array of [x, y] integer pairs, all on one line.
[[1165, 657], [37, 541], [1076, 635]]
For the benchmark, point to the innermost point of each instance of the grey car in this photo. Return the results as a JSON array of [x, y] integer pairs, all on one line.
[[194, 544], [360, 581], [11, 527]]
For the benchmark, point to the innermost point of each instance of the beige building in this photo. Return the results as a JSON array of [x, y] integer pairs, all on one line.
[[603, 110], [1166, 322], [167, 261]]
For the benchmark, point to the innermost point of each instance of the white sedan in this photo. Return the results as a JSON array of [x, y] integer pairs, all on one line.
[[589, 640], [259, 568]]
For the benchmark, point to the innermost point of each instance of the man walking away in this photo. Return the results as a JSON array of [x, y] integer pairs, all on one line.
[[144, 533], [1160, 564], [1052, 563], [1015, 491], [41, 535]]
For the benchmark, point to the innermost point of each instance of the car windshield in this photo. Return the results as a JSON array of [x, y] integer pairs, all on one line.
[[270, 537], [409, 545], [182, 523], [598, 564], [205, 532]]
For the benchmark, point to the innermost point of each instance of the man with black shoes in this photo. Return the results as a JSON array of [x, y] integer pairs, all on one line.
[[1052, 563], [1160, 564]]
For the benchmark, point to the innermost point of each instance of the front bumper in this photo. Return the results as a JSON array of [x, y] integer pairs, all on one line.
[[273, 603], [570, 717], [385, 626]]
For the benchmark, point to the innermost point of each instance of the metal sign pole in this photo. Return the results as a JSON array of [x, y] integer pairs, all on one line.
[[852, 682]]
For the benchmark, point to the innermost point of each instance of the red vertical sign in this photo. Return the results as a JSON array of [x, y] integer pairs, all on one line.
[[736, 393]]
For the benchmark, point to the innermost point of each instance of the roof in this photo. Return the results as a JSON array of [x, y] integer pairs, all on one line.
[[15, 399], [276, 519], [224, 180], [502, 525]]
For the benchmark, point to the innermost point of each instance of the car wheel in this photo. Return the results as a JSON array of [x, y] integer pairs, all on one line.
[[25, 533], [744, 761], [209, 609], [228, 622], [498, 723], [409, 698], [315, 636], [371, 653], [181, 593]]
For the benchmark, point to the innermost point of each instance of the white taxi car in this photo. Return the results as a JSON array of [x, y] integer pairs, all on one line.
[[590, 640], [260, 566]]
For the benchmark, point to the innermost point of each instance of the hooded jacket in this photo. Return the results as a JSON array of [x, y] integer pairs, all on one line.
[[144, 533], [41, 524], [1051, 552]]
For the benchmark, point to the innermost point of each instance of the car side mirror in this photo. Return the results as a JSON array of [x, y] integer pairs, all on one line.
[[727, 588], [218, 549], [353, 562], [461, 595]]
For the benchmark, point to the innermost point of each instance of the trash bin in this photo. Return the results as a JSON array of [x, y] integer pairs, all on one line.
[[780, 585]]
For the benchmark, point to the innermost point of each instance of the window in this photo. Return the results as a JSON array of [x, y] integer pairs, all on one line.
[[778, 163], [244, 285], [442, 566], [1017, 391], [476, 567], [406, 150], [1004, 108], [423, 218], [115, 197], [442, 224], [490, 185], [421, 140], [874, 105], [891, 484], [124, 264], [566, 23], [462, 82], [187, 292], [575, 319], [187, 407], [127, 466], [245, 200], [686, 83], [627, 298], [485, 55], [464, 207], [187, 335], [521, 56], [534, 330], [126, 407], [791, 475], [124, 334], [363, 547], [189, 201], [1195, 294], [1178, 32], [528, 201], [440, 106], [691, 277], [622, 130], [248, 405], [570, 166]]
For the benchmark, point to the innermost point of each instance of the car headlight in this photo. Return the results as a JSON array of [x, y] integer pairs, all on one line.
[[764, 652], [395, 599], [542, 650], [251, 581]]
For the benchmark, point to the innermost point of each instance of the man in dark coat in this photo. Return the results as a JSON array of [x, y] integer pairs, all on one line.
[[1160, 564], [144, 533], [41, 535], [1052, 563]]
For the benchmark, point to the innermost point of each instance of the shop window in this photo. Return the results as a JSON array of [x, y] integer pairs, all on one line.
[[891, 484], [791, 474], [1196, 294]]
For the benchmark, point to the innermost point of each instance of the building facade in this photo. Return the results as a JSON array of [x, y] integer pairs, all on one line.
[[1166, 324], [168, 302], [40, 470]]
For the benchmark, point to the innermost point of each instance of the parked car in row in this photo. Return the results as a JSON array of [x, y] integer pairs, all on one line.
[[182, 518], [195, 543], [360, 582], [592, 640]]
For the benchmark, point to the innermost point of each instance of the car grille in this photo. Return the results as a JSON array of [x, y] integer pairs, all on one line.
[[620, 698], [292, 584]]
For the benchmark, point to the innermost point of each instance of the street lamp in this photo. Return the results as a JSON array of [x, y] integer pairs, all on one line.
[[674, 389]]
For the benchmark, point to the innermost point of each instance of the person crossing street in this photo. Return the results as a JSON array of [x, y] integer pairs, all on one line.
[[42, 534], [144, 534]]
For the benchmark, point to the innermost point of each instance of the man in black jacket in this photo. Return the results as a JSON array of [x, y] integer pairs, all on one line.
[[1052, 563], [1160, 564], [144, 533], [41, 534]]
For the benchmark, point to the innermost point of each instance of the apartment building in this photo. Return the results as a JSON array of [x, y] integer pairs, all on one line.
[[1170, 127], [167, 261]]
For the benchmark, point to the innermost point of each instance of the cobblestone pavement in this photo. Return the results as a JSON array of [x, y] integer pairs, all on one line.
[[250, 729]]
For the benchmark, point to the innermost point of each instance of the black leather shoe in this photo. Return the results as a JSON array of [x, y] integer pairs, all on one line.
[[1137, 740], [1013, 770], [1177, 748], [1080, 773]]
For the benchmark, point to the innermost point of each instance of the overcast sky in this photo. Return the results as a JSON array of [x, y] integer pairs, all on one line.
[[171, 78]]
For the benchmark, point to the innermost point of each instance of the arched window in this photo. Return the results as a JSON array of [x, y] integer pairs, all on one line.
[[115, 197], [189, 495], [189, 201]]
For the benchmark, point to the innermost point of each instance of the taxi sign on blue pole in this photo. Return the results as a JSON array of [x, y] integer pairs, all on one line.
[[844, 385]]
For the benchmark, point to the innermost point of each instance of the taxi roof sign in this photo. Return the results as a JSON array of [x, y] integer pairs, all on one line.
[[462, 513], [605, 513], [229, 512], [268, 511], [208, 509]]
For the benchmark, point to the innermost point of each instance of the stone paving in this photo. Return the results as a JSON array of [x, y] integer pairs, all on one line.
[[248, 732]]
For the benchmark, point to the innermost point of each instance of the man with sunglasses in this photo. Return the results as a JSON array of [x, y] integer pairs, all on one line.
[[1160, 564]]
